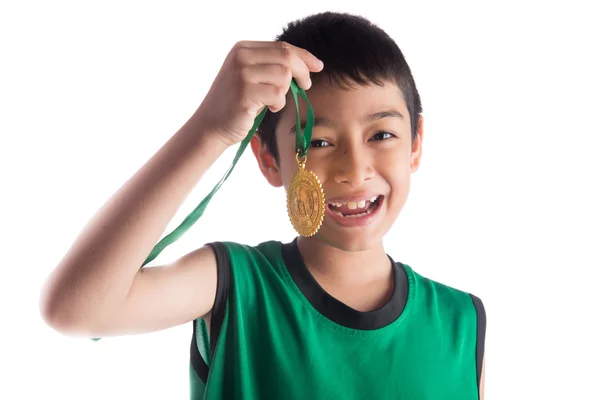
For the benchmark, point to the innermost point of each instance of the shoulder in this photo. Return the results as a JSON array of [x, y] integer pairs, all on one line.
[[247, 263], [240, 270], [240, 253], [444, 292], [461, 308], [456, 303]]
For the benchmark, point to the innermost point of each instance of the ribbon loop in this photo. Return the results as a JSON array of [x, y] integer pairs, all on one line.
[[302, 139]]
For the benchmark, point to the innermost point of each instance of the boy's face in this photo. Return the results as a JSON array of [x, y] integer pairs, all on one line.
[[357, 159]]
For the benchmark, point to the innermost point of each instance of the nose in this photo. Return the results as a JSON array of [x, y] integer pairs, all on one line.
[[353, 166]]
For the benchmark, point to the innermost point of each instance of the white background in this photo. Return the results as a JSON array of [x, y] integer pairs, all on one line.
[[505, 204]]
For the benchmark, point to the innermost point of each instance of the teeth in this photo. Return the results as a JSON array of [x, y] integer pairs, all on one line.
[[353, 205], [366, 212]]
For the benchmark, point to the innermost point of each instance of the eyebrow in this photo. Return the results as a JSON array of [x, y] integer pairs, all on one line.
[[326, 122]]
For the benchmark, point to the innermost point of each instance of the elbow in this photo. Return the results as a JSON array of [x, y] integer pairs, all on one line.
[[57, 315], [68, 312], [68, 320], [50, 312], [65, 323]]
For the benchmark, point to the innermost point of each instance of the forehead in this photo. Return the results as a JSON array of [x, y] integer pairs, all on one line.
[[345, 105]]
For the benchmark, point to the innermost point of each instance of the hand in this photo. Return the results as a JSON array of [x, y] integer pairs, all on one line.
[[253, 75]]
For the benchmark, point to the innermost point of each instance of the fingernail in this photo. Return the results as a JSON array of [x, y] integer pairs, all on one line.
[[320, 63]]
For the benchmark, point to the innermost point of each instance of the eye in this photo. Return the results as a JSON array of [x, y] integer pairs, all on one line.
[[383, 135], [319, 143]]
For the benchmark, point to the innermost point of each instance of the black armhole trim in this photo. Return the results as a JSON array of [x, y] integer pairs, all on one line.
[[198, 362], [223, 275], [481, 327], [218, 312]]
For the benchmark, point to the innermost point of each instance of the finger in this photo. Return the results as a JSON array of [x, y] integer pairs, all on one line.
[[254, 43], [281, 52], [269, 74], [313, 63], [285, 56], [272, 96], [300, 69]]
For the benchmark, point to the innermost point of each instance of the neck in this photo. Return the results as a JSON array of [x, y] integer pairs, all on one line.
[[363, 266]]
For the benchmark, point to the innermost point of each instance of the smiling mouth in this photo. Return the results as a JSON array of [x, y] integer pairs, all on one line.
[[355, 209]]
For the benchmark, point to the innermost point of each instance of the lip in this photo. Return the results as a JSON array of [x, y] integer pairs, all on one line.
[[354, 222]]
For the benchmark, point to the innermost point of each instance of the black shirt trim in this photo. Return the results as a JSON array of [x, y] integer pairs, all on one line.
[[218, 311], [198, 363], [334, 309], [323, 302], [481, 327]]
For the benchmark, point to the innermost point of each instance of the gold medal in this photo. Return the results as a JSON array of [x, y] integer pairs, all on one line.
[[305, 200]]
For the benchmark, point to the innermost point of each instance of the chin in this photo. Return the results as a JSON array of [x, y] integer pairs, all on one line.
[[360, 236], [350, 241]]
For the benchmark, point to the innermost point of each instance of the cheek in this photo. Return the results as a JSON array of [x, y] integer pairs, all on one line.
[[393, 160], [287, 172], [394, 169], [287, 158], [288, 167]]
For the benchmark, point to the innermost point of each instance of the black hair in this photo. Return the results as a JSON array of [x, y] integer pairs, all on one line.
[[354, 50]]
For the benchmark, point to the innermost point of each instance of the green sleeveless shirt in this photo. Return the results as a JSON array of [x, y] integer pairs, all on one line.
[[276, 334]]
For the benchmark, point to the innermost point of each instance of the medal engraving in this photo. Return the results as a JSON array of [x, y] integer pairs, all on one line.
[[305, 202]]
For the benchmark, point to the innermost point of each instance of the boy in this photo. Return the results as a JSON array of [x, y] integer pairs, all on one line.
[[326, 316]]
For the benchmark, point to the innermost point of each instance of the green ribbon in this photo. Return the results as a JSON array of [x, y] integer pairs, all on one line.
[[302, 143], [302, 140]]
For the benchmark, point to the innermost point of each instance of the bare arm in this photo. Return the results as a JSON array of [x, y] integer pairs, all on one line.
[[482, 381], [98, 286]]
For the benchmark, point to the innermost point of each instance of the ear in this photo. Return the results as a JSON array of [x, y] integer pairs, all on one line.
[[266, 162], [417, 147]]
